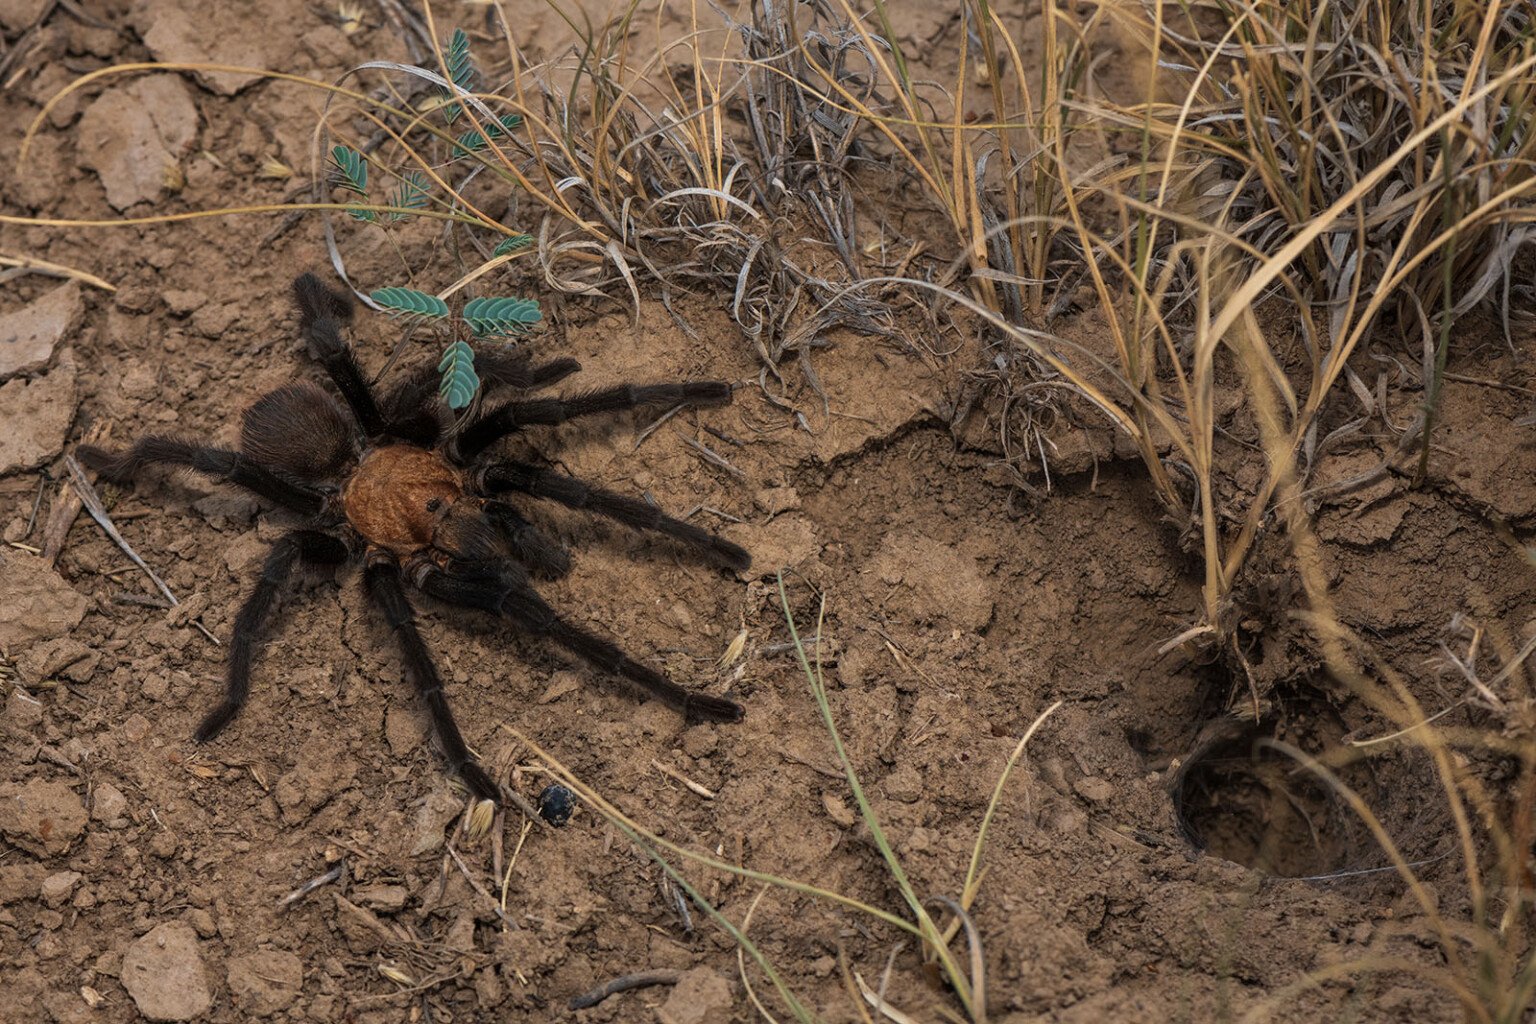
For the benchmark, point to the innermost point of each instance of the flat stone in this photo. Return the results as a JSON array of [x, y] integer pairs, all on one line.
[[30, 334], [134, 138], [37, 417], [163, 972], [264, 982], [44, 818], [35, 602], [211, 35]]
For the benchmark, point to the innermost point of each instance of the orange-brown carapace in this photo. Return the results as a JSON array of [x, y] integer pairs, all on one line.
[[398, 494]]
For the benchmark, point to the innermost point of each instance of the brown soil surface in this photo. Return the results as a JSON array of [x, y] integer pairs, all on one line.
[[1126, 880]]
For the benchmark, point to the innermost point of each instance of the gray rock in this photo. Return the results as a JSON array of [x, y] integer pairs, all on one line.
[[35, 602], [163, 972], [37, 417], [29, 335], [134, 138]]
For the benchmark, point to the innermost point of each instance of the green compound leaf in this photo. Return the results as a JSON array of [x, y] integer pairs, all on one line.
[[461, 69], [365, 215], [473, 141], [504, 317], [460, 381], [512, 244], [351, 171], [408, 302], [411, 195]]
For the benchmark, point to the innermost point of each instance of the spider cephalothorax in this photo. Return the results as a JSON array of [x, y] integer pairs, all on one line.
[[422, 502]]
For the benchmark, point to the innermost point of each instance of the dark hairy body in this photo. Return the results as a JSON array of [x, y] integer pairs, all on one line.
[[424, 506]]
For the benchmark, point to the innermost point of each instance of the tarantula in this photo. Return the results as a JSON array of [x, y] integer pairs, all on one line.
[[422, 502]]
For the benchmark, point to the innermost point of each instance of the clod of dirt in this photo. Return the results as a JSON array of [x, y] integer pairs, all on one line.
[[322, 771], [701, 996], [21, 882], [16, 15], [65, 657], [44, 818], [212, 36], [389, 899], [930, 580], [58, 887], [37, 416], [436, 811], [134, 138], [264, 982], [29, 335], [784, 541], [163, 972], [1095, 790], [35, 602], [109, 806], [364, 932]]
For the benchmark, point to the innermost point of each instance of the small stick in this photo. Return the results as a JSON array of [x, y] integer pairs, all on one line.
[[657, 422], [37, 503], [474, 884], [645, 979], [711, 456], [93, 505], [673, 773], [314, 883], [727, 438]]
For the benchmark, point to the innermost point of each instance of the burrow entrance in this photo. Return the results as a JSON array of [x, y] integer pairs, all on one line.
[[1240, 798]]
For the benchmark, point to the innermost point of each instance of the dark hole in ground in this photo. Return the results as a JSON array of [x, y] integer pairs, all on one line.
[[1241, 799]]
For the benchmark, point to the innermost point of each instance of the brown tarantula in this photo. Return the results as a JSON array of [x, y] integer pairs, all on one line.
[[423, 503]]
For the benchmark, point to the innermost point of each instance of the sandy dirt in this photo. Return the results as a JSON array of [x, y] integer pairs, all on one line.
[[1144, 863]]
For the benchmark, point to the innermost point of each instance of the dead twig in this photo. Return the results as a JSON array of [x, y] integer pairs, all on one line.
[[93, 505], [314, 883]]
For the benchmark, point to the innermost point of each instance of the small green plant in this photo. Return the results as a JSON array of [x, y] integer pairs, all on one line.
[[482, 318]]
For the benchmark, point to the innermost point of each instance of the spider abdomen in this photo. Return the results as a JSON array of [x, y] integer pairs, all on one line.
[[398, 494]]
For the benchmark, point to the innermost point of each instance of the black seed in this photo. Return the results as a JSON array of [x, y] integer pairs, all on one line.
[[556, 804]]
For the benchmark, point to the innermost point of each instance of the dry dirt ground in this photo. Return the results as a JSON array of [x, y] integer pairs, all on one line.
[[139, 872]]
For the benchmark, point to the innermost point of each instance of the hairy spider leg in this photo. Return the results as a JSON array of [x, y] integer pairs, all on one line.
[[308, 546], [322, 314], [511, 416], [514, 369], [638, 515], [529, 544], [510, 596], [219, 463], [382, 580], [410, 412]]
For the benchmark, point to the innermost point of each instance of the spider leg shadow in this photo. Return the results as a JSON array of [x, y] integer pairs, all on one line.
[[537, 482], [510, 596]]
